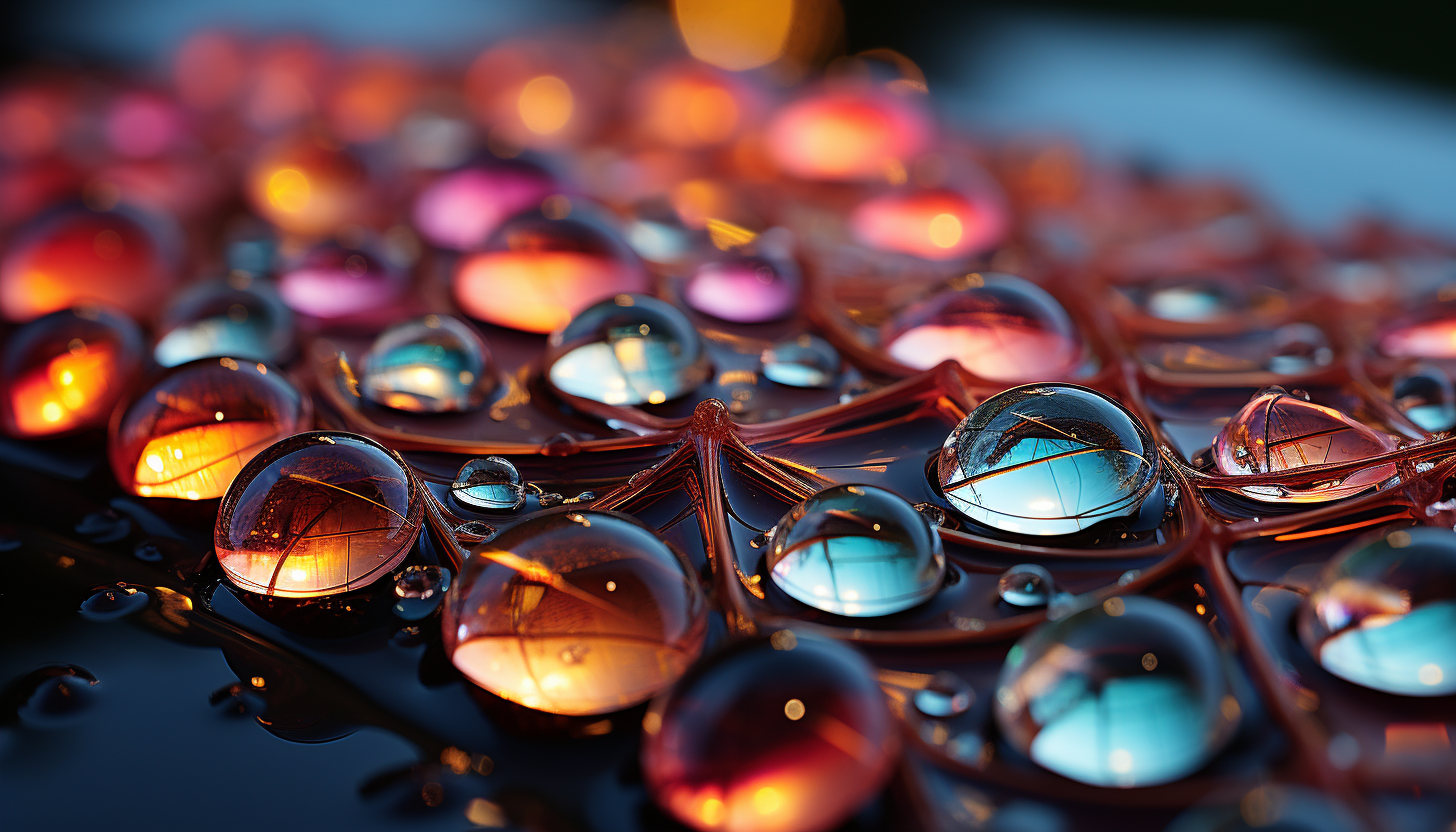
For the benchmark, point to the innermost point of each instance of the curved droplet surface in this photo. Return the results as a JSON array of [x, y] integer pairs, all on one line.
[[419, 591], [856, 550], [462, 208], [1276, 432], [241, 317], [998, 326], [932, 223], [433, 364], [491, 483], [111, 602], [629, 350], [847, 134], [65, 371], [317, 514], [582, 612], [333, 281], [782, 734], [803, 361], [1130, 692], [54, 695], [1426, 395], [1048, 459], [1382, 613], [1434, 337], [1026, 585], [747, 290], [946, 695], [194, 430]]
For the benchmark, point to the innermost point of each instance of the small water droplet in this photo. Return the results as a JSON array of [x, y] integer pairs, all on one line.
[[55, 694], [803, 361], [947, 695], [1128, 577], [1026, 585], [560, 444], [111, 602], [491, 483], [420, 589], [104, 526], [933, 514]]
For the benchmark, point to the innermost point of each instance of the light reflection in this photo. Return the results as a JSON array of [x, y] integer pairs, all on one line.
[[734, 34], [936, 224], [853, 134], [545, 104], [66, 392]]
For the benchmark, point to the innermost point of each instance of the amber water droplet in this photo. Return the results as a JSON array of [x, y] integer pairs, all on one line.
[[1027, 585], [1434, 337], [317, 514], [847, 134], [190, 434], [630, 350], [306, 187], [1000, 327], [933, 223], [462, 208], [746, 290], [1381, 613], [538, 591], [334, 281], [65, 371], [1276, 432], [433, 364], [1077, 696], [491, 483], [245, 319], [724, 751]]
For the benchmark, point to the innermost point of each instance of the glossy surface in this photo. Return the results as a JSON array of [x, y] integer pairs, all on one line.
[[190, 434], [317, 514], [433, 364], [1129, 692], [65, 371], [847, 134], [629, 350], [856, 550], [1026, 585], [240, 317], [332, 281], [1277, 432], [491, 483], [803, 361], [1427, 397], [307, 186], [462, 208], [1048, 459], [1382, 612], [578, 612], [745, 290], [781, 734], [933, 223], [998, 326]]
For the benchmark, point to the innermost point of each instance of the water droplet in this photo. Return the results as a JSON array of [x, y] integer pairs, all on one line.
[[104, 526], [432, 364], [947, 695], [65, 371], [933, 514], [722, 750], [317, 514], [803, 361], [333, 281], [1129, 576], [1084, 677], [473, 532], [306, 186], [746, 290], [1027, 585], [491, 483], [1276, 432], [856, 550], [420, 590], [1299, 348], [462, 208], [999, 327], [53, 695], [1434, 337], [1381, 613], [933, 223], [631, 350], [540, 587], [1192, 299], [111, 602], [1426, 396], [244, 320], [1048, 459], [171, 443], [847, 134]]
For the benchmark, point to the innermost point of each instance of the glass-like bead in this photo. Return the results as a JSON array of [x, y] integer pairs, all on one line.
[[803, 361], [629, 350], [746, 290], [306, 186], [998, 326], [856, 550], [333, 281], [788, 733], [1048, 459], [240, 317], [194, 430], [462, 208], [1026, 585], [491, 483], [1382, 613], [575, 613], [1130, 692], [433, 364], [932, 223], [65, 371], [317, 514]]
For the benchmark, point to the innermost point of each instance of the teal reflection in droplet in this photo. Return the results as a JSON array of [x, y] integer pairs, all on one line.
[[491, 483], [805, 361], [856, 550], [432, 364], [630, 350]]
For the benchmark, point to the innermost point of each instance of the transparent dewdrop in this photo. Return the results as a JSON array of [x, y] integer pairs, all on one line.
[[1383, 612], [491, 483], [432, 364], [630, 350], [1427, 397], [856, 550], [1277, 432], [1048, 459], [1129, 692], [803, 361], [1026, 585]]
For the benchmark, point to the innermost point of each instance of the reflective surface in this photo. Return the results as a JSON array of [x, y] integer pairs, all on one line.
[[240, 317], [65, 371], [856, 550], [190, 434], [744, 289], [491, 483], [1129, 692], [1427, 397], [1026, 585], [933, 223], [1381, 614], [317, 514], [1048, 459], [432, 364], [782, 734], [998, 326], [581, 612], [849, 133], [803, 361], [333, 281], [632, 349], [462, 208]]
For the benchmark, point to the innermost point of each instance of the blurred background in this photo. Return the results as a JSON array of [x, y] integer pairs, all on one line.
[[1348, 110]]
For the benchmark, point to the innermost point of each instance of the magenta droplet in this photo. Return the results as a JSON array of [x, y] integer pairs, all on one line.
[[335, 282], [461, 209], [745, 290]]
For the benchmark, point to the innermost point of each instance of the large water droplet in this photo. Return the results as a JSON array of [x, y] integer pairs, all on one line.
[[420, 590], [1130, 692], [803, 361], [1027, 585], [492, 483], [1048, 459], [241, 317], [1426, 396], [65, 371], [632, 349], [999, 326], [432, 364], [746, 290], [116, 601], [1277, 432], [1382, 613], [574, 613], [856, 550], [846, 134]]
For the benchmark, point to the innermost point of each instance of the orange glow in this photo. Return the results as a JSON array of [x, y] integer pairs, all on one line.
[[307, 188], [935, 224], [998, 351], [68, 392], [372, 97], [199, 463], [1374, 521], [83, 257], [1433, 339], [208, 70], [847, 135], [545, 104], [734, 34], [538, 291], [288, 190], [698, 201], [691, 109], [1417, 739]]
